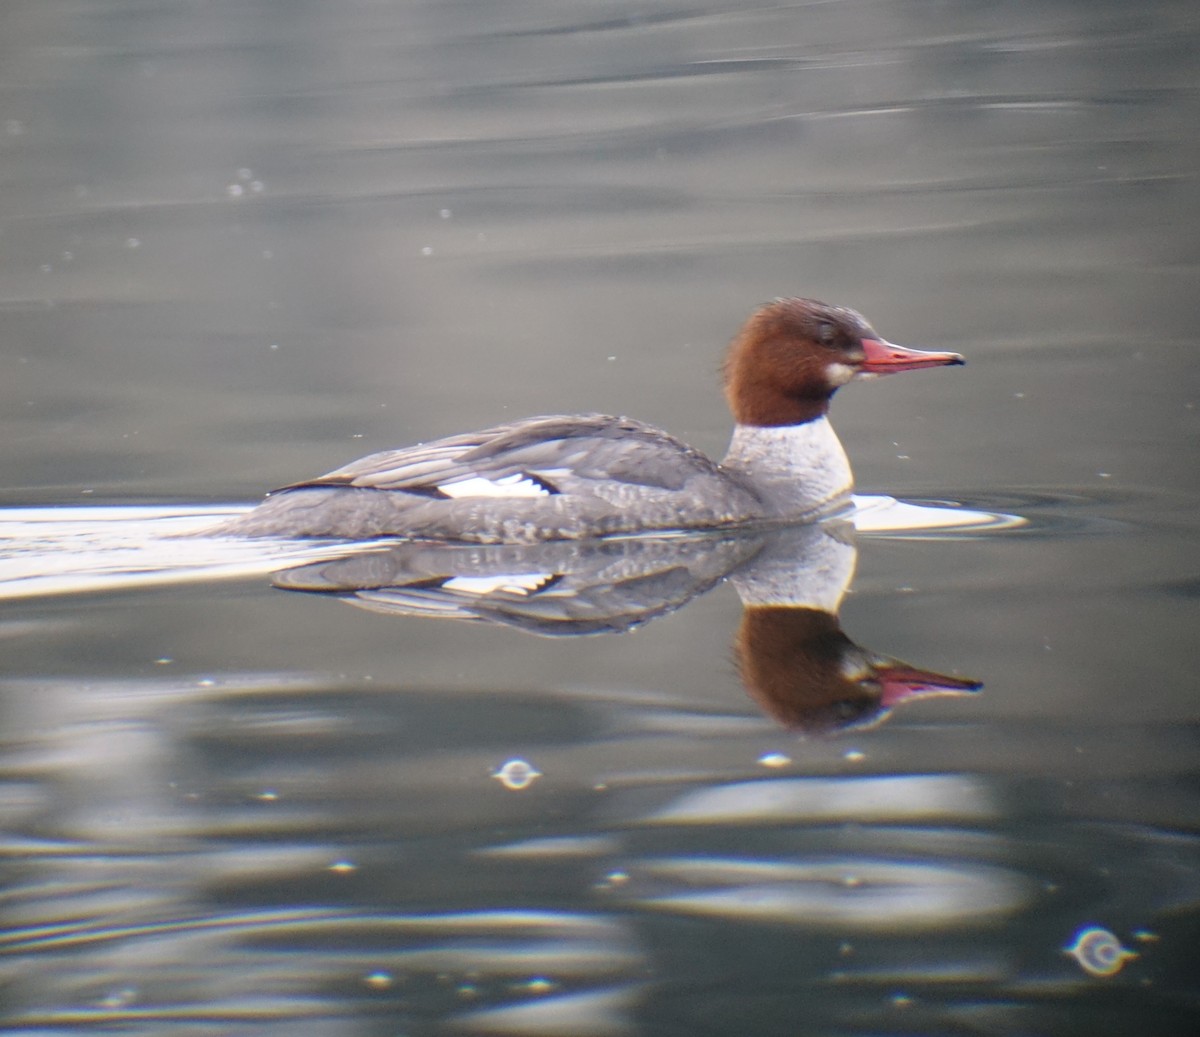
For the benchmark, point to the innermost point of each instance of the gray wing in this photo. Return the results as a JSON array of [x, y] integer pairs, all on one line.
[[559, 452]]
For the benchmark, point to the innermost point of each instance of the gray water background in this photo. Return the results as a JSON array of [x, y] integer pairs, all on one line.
[[242, 243]]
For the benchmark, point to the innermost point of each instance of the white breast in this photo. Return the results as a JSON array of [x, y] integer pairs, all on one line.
[[795, 468]]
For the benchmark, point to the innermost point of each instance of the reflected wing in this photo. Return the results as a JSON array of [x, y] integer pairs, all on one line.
[[552, 588]]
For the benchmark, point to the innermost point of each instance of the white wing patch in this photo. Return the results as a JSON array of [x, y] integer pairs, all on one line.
[[511, 583], [515, 485]]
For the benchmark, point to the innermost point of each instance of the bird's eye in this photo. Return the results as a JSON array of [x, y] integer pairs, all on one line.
[[826, 333]]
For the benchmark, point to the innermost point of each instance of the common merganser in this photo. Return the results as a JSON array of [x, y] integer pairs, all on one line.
[[592, 475]]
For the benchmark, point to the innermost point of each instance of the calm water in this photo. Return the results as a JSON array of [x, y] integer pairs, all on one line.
[[242, 243]]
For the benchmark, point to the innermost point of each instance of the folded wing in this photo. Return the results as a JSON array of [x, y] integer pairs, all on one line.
[[535, 457]]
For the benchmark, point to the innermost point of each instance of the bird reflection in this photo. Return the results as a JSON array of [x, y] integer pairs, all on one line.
[[792, 655], [808, 675]]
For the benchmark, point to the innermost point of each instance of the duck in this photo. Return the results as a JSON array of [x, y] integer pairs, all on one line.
[[576, 477]]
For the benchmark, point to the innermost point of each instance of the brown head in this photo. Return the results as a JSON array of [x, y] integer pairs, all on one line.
[[792, 355]]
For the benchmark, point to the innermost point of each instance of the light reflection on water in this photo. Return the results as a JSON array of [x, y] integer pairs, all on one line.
[[270, 850]]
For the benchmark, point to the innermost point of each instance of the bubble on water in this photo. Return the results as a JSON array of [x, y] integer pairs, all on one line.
[[517, 774], [1098, 951], [121, 998], [235, 190], [378, 980], [539, 985]]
